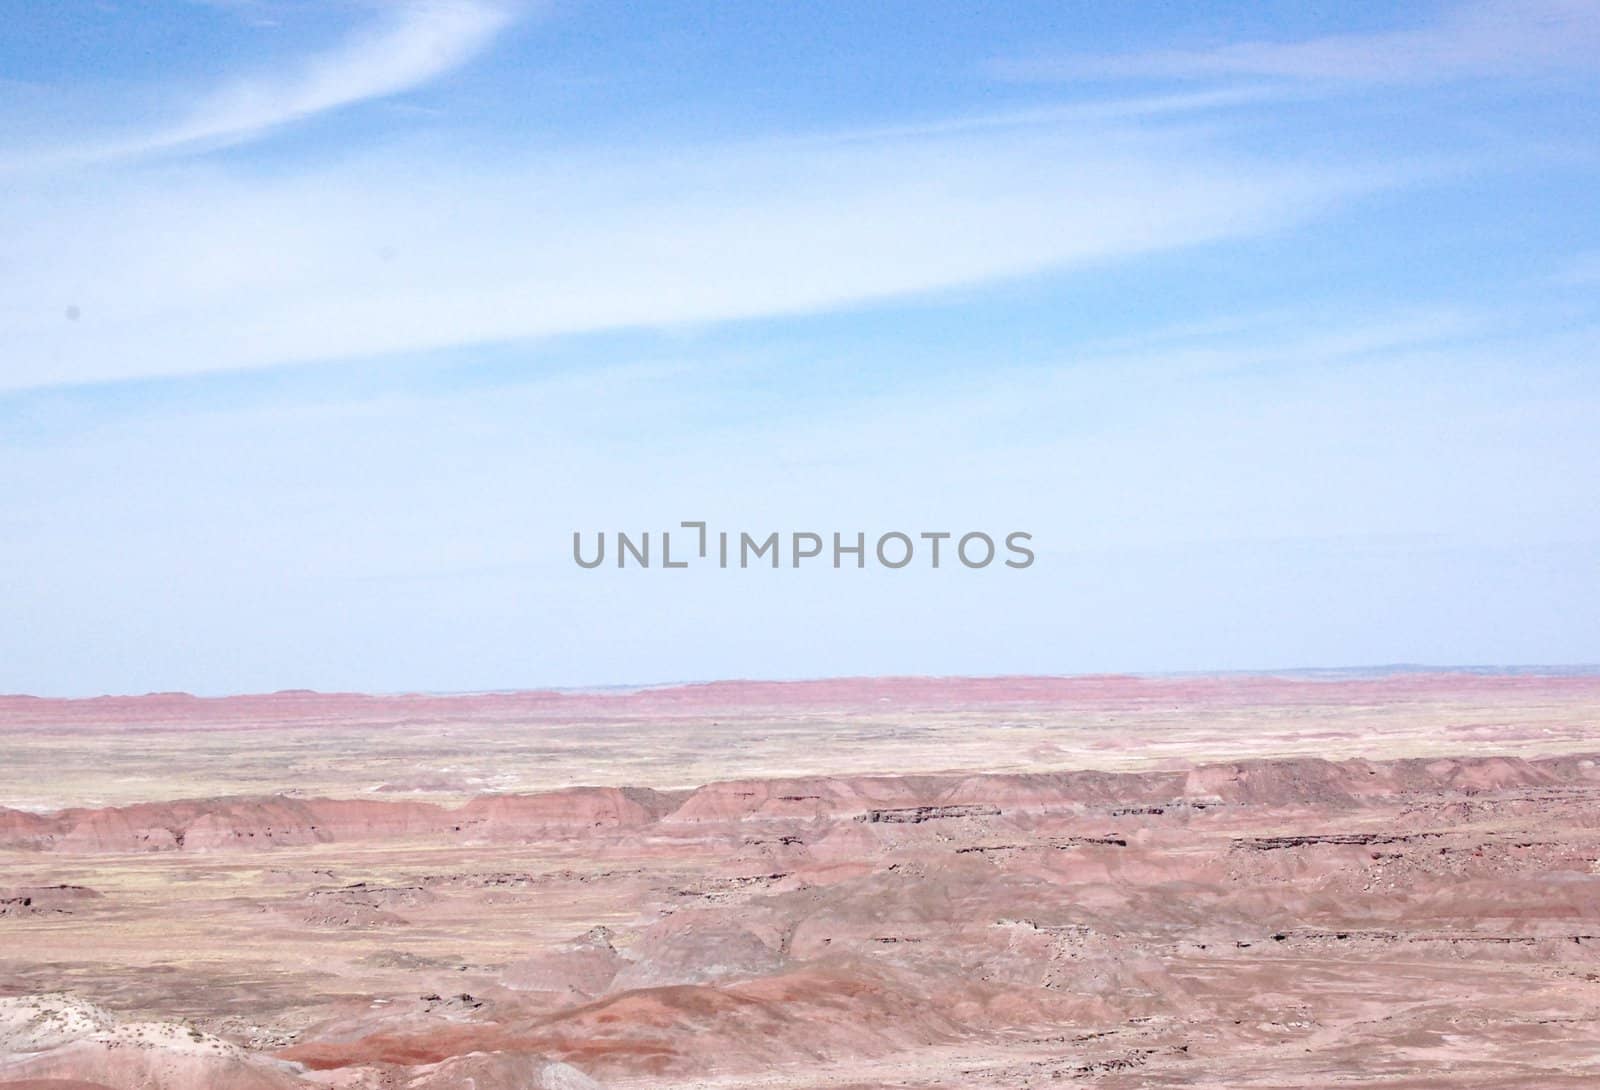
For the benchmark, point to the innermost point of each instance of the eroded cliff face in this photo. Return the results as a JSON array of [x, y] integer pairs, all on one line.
[[1244, 923], [1285, 785]]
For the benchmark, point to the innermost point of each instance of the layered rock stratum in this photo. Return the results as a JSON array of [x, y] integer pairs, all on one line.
[[1298, 913]]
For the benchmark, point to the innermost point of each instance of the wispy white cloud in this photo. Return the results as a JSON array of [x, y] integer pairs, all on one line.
[[204, 267], [415, 43], [1488, 38], [423, 40], [1097, 111]]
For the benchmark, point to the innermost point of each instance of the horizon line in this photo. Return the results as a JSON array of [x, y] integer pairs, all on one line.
[[1294, 673]]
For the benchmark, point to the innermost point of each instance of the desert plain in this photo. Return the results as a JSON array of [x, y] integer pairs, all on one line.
[[1381, 879]]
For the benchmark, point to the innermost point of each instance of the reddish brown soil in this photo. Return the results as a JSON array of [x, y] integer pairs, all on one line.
[[1290, 921]]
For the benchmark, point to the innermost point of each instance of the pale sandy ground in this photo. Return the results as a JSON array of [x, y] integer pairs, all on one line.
[[1304, 921], [450, 748]]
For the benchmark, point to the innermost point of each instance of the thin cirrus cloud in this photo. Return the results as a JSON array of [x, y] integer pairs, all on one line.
[[152, 267], [150, 262], [415, 44], [1490, 38], [202, 267]]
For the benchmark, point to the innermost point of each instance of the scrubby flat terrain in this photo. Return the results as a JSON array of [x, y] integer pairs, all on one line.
[[1113, 882], [117, 750]]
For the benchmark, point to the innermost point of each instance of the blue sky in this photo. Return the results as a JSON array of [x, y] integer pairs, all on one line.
[[323, 326]]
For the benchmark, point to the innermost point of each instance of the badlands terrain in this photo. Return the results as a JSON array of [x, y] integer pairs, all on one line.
[[1293, 881]]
